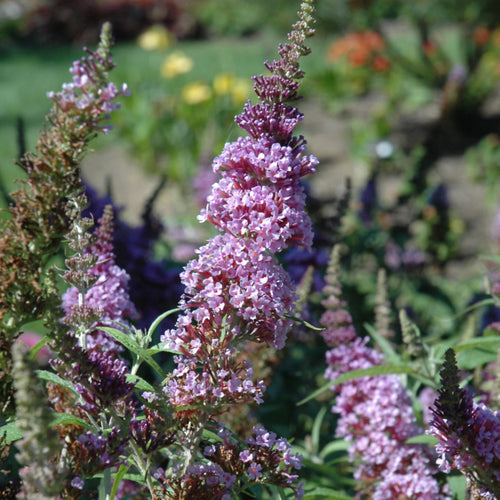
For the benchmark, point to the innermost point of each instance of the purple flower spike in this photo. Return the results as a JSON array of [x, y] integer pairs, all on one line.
[[235, 290], [89, 95], [375, 413]]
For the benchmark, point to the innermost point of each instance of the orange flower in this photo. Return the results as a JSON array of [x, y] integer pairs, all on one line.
[[481, 35], [380, 64], [358, 57], [358, 48], [496, 37]]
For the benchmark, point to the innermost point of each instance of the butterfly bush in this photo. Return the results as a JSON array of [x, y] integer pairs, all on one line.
[[87, 358], [375, 413], [39, 215], [235, 290], [89, 385]]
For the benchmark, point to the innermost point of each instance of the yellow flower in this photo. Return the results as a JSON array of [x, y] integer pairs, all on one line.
[[223, 83], [156, 37], [196, 93], [176, 64], [228, 84], [240, 90]]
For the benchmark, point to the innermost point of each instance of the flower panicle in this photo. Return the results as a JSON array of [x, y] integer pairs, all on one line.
[[454, 404], [40, 215], [272, 117], [468, 433], [411, 336], [287, 70], [375, 413], [99, 292], [87, 357], [382, 307], [261, 459], [235, 290], [90, 96]]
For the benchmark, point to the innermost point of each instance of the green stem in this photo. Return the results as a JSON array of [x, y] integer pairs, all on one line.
[[194, 440], [105, 486], [142, 465]]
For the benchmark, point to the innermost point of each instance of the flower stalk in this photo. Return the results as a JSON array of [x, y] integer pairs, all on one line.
[[235, 291]]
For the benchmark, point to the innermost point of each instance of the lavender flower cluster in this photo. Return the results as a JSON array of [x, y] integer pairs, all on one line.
[[80, 96], [109, 294], [236, 290], [375, 413]]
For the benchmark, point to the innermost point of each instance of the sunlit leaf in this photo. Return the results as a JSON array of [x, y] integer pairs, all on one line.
[[68, 419], [139, 383], [55, 379], [128, 342], [10, 432]]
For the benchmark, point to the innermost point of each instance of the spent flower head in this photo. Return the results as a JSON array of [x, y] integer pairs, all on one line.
[[469, 434], [109, 291]]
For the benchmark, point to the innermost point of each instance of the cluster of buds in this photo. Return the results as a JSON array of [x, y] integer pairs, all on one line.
[[90, 98]]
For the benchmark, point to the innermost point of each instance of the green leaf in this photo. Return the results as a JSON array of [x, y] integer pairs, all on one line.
[[10, 432], [207, 434], [469, 360], [315, 432], [128, 342], [68, 419], [37, 348], [159, 319], [458, 485], [55, 379], [139, 382], [303, 322], [423, 439], [136, 478], [328, 493], [333, 447], [373, 371], [390, 354], [158, 348], [118, 479], [478, 342]]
